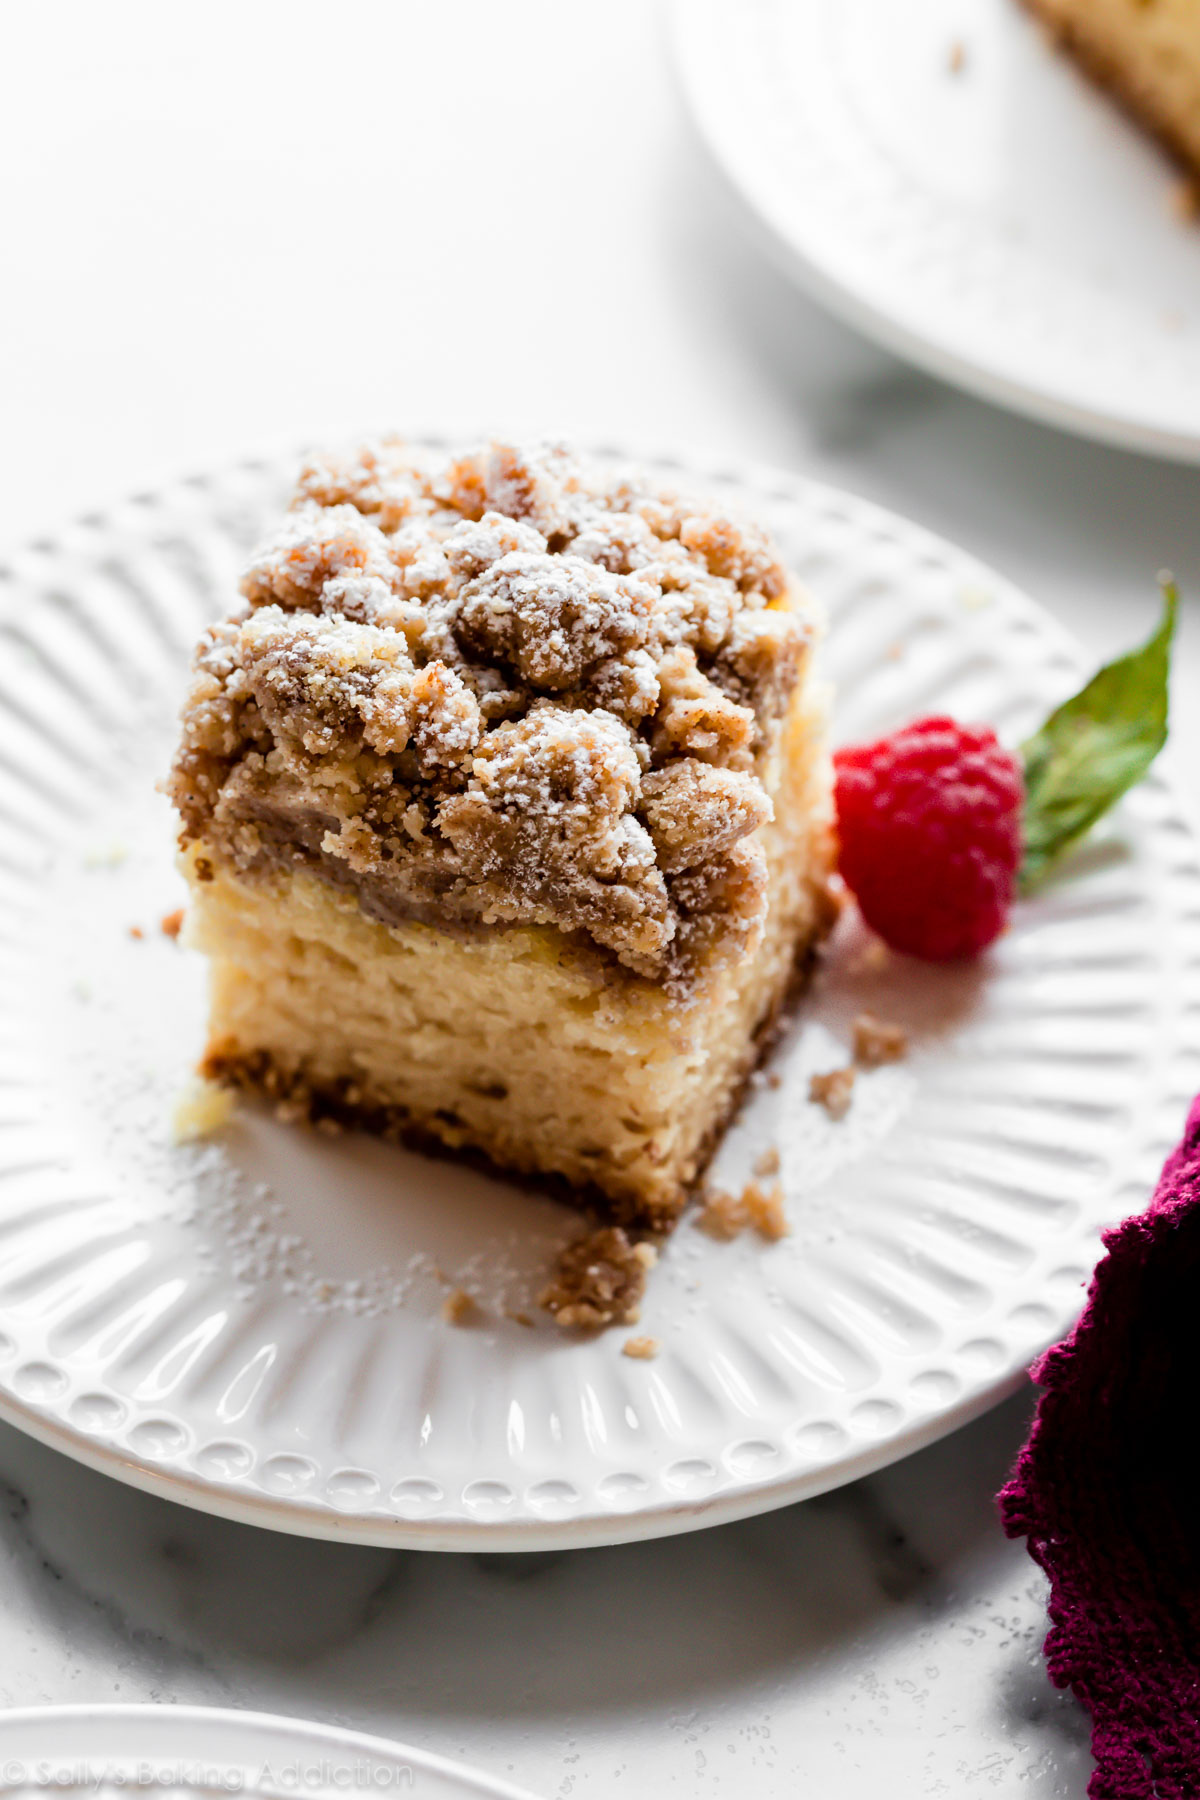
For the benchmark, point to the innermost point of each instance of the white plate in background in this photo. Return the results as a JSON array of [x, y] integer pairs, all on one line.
[[1004, 225], [253, 1325], [196, 1752]]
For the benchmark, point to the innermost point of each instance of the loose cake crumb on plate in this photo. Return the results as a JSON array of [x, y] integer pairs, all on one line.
[[202, 1110], [459, 1307], [764, 1207], [833, 1090], [722, 1215], [171, 923], [726, 1215], [878, 1041], [599, 1279], [642, 1349], [766, 1163]]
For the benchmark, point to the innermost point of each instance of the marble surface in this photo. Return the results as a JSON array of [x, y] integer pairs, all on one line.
[[255, 224], [885, 1633]]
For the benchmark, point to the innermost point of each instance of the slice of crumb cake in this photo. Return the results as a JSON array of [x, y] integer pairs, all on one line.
[[505, 809]]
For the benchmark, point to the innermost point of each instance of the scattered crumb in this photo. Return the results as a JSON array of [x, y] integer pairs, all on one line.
[[766, 1163], [956, 60], [894, 651], [725, 1216], [172, 923], [136, 932], [458, 1307], [765, 1207], [520, 1318], [833, 1091], [598, 1280], [644, 1349], [202, 1109], [1185, 199], [774, 1079], [722, 1215], [878, 1041]]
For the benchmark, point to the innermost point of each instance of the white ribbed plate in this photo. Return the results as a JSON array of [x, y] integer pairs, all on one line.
[[1005, 226], [253, 1325], [200, 1753]]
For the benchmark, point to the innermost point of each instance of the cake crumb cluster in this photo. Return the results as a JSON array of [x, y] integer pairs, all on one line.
[[834, 1090], [599, 1279], [502, 686], [878, 1041], [875, 1042], [726, 1216]]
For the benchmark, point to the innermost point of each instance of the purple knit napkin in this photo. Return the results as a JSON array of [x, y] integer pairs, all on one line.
[[1107, 1493]]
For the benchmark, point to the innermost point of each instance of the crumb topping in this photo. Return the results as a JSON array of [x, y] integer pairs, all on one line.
[[202, 1110], [510, 685], [599, 1279]]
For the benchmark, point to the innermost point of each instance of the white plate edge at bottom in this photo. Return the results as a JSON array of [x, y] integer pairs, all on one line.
[[308, 1737], [592, 1531]]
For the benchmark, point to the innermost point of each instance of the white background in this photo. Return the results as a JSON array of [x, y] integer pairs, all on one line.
[[231, 226], [243, 224]]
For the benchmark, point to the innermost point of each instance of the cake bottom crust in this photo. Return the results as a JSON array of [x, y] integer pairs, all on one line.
[[1141, 88]]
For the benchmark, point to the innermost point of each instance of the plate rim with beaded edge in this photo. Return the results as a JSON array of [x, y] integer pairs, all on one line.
[[942, 1235], [136, 1746], [1004, 287]]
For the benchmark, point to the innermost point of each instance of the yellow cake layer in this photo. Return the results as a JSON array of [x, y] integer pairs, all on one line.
[[511, 1041]]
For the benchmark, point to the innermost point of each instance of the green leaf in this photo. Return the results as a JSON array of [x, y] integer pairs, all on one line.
[[1095, 746]]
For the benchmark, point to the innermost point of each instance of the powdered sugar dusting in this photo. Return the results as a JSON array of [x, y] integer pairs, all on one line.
[[413, 622]]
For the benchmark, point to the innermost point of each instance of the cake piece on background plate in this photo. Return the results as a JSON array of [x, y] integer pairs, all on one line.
[[1147, 52]]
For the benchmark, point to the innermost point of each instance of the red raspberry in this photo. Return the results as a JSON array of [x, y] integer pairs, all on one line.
[[930, 825]]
